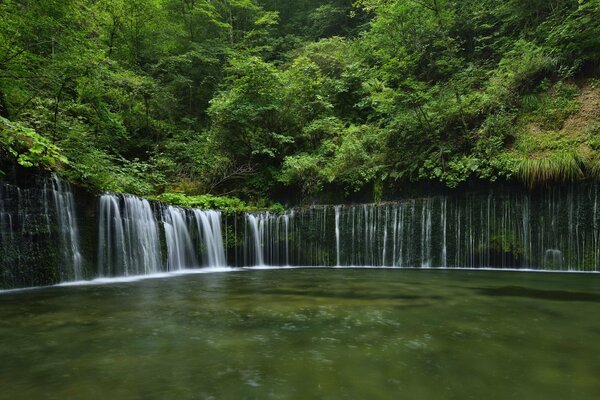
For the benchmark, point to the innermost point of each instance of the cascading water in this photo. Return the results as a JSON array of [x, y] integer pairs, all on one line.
[[553, 229], [67, 225], [39, 234], [110, 225], [209, 224], [128, 237], [269, 238], [337, 235], [257, 223], [180, 250], [141, 232]]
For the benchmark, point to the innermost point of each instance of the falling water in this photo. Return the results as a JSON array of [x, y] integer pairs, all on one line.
[[67, 225], [256, 226], [181, 252], [553, 259], [286, 221], [208, 224], [39, 235], [6, 216], [271, 238], [110, 225], [337, 235], [128, 237], [552, 229], [141, 230]]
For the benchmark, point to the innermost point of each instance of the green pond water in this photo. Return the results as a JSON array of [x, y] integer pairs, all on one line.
[[307, 334]]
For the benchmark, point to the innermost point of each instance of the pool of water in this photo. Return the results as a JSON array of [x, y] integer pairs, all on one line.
[[307, 334]]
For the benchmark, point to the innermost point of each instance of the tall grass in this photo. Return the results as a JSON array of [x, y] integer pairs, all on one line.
[[557, 167], [594, 169]]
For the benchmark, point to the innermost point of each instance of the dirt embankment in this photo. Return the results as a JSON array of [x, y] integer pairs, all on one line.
[[589, 113]]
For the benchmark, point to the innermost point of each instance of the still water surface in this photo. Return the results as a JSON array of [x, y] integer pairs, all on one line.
[[307, 334]]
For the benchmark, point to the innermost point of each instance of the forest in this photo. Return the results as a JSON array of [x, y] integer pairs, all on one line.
[[206, 102]]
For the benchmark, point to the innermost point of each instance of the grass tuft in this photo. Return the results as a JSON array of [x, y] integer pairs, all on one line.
[[557, 167]]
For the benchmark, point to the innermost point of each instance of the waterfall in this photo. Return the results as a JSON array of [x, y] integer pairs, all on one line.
[[444, 233], [128, 237], [209, 225], [385, 239], [554, 229], [39, 233], [6, 216], [337, 235], [286, 220], [256, 226], [292, 238], [553, 259], [141, 229], [426, 234], [110, 225], [181, 253], [41, 243], [67, 225], [394, 236]]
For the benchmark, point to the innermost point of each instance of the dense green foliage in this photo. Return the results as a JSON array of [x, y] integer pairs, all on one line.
[[29, 148], [225, 203], [257, 97]]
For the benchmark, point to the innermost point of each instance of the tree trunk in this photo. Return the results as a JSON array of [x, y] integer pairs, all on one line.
[[57, 105]]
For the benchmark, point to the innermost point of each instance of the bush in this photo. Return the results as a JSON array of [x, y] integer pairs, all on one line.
[[27, 147]]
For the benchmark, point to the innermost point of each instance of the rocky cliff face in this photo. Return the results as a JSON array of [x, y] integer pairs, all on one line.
[[41, 241]]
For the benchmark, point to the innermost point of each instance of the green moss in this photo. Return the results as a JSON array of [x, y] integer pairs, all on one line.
[[589, 261], [506, 242]]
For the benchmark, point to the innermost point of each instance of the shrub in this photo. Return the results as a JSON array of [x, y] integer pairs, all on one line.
[[27, 147]]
